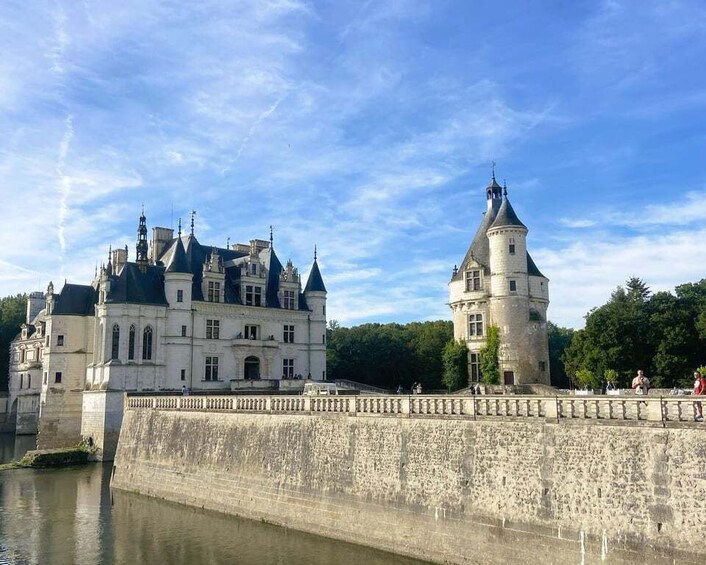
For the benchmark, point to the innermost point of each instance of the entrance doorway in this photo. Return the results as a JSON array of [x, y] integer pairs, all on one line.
[[252, 368], [509, 377]]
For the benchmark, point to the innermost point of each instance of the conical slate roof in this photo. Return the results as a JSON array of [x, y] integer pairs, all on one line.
[[315, 282], [178, 263], [506, 216]]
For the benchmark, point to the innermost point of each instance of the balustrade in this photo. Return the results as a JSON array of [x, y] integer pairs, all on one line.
[[516, 407]]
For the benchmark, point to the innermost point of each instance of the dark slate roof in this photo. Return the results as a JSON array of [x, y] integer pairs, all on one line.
[[315, 282], [480, 247], [133, 286], [75, 300], [506, 216], [532, 267], [177, 262], [274, 270]]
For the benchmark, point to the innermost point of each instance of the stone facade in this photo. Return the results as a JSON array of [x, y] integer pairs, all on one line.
[[182, 315], [440, 487], [499, 284]]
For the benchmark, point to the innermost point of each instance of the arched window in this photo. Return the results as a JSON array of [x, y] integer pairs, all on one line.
[[115, 348], [147, 343], [131, 344]]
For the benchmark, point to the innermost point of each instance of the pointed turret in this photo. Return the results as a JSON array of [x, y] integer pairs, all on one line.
[[141, 247], [506, 216], [178, 262]]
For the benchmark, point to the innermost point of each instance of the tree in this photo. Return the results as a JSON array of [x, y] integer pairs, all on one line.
[[12, 315], [586, 379], [559, 340], [489, 356], [455, 358]]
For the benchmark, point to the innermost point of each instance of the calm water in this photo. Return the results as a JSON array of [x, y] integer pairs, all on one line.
[[70, 516]]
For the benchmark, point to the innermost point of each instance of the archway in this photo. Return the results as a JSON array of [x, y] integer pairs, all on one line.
[[252, 368]]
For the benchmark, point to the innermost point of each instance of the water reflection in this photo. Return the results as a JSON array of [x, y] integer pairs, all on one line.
[[13, 448], [68, 516]]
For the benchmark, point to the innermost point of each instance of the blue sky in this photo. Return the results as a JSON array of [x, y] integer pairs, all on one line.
[[365, 127]]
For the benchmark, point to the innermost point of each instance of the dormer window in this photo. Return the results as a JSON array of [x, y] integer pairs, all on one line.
[[253, 295], [288, 300], [214, 291], [253, 269], [474, 280]]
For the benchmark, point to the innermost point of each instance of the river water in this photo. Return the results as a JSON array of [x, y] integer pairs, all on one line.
[[70, 516]]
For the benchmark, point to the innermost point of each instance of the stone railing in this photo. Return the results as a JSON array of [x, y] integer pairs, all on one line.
[[648, 410]]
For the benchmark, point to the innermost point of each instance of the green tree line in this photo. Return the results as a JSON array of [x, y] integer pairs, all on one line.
[[12, 315]]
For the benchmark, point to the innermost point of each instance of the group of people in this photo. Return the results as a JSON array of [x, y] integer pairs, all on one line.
[[641, 385]]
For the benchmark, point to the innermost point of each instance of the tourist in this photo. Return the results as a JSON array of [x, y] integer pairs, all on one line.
[[478, 390], [183, 390], [399, 389], [419, 388], [699, 390], [609, 386], [641, 384]]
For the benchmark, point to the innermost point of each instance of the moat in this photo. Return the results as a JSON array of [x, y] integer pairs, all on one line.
[[70, 516]]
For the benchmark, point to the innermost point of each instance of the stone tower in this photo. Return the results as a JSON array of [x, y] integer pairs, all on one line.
[[499, 284]]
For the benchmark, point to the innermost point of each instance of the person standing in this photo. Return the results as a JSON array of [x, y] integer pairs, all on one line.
[[641, 384], [699, 390]]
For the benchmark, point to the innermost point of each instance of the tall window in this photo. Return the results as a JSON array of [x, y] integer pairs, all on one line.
[[253, 269], [29, 380], [57, 377], [214, 291], [183, 374], [475, 325], [250, 332], [180, 296], [213, 329], [183, 331], [288, 334], [147, 343], [289, 299], [60, 340], [513, 286], [474, 368], [253, 295], [287, 368], [211, 373], [131, 343], [473, 280], [115, 345], [511, 246]]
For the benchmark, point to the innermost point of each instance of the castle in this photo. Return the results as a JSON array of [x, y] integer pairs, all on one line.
[[181, 316], [499, 284]]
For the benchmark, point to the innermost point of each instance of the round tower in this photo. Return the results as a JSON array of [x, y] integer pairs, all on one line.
[[315, 296]]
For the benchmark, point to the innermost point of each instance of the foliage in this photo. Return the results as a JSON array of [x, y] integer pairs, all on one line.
[[455, 358], [662, 333], [611, 376], [12, 315], [559, 340], [586, 379], [489, 356], [389, 355]]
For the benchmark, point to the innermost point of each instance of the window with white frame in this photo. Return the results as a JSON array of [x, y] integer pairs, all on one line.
[[214, 291], [60, 340], [180, 295], [287, 368], [474, 368], [250, 331], [211, 369], [253, 295], [213, 329], [475, 326], [511, 246], [288, 300], [474, 280], [288, 334]]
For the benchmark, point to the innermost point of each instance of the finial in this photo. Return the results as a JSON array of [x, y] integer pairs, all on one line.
[[179, 232], [110, 252], [95, 272], [193, 213], [314, 252], [228, 243], [504, 187], [271, 238], [493, 170]]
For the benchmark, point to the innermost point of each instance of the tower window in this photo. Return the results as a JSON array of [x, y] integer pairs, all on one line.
[[473, 280], [475, 326], [60, 340], [147, 344], [180, 296], [542, 366], [57, 377], [513, 286], [183, 331], [512, 248], [115, 345]]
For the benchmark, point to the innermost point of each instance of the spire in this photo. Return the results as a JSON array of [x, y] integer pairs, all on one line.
[[314, 252], [193, 215], [272, 243], [493, 191], [504, 188], [179, 231], [178, 262], [141, 247], [316, 281], [506, 217], [109, 268]]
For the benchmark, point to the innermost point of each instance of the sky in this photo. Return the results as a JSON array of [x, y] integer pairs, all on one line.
[[366, 128]]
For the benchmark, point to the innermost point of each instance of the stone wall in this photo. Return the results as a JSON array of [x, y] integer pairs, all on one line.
[[102, 417], [441, 488], [27, 414]]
